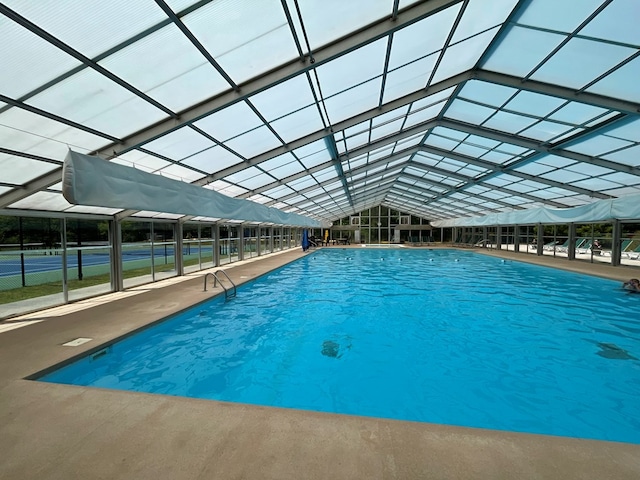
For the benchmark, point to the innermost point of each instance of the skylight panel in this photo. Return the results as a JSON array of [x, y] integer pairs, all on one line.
[[386, 129], [628, 156], [521, 49], [212, 160], [598, 145], [254, 142], [332, 19], [284, 98], [441, 142], [422, 38], [509, 122], [278, 192], [315, 159], [468, 112], [589, 169], [95, 101], [450, 133], [470, 150], [179, 144], [357, 140], [534, 103], [352, 69], [545, 130], [50, 138], [577, 113], [481, 15], [354, 101], [463, 56], [423, 115], [42, 200], [179, 172], [595, 184], [564, 176], [497, 157], [246, 38], [31, 65], [534, 168], [565, 17], [256, 181], [287, 170], [621, 83], [91, 27], [487, 93], [298, 124], [278, 161], [173, 72], [229, 122], [617, 22], [627, 129], [20, 170], [580, 61], [141, 161]]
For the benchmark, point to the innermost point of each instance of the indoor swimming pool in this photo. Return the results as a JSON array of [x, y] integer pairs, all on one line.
[[441, 336]]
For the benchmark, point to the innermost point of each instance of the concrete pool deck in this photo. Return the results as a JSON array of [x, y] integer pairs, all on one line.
[[50, 431]]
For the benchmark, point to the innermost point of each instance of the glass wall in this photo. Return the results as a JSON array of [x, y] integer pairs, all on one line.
[[381, 225]]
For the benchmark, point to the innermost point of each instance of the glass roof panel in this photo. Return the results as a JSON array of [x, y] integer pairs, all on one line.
[[577, 113], [76, 22], [229, 122], [173, 72], [284, 98], [598, 145], [521, 49], [423, 115], [278, 161], [354, 101], [618, 22], [50, 138], [180, 173], [246, 38], [468, 112], [353, 68], [487, 93], [534, 104], [212, 160], [332, 19], [386, 129], [254, 142], [545, 130], [43, 200], [481, 15], [566, 17], [298, 124], [409, 78], [422, 38], [622, 83], [463, 56], [140, 160], [580, 61], [31, 65], [93, 100], [19, 170], [509, 122], [629, 156], [286, 170], [627, 129], [179, 144]]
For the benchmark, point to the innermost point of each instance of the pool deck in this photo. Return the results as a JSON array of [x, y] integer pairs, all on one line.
[[50, 431]]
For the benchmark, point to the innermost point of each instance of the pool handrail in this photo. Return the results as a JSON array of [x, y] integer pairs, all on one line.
[[216, 279]]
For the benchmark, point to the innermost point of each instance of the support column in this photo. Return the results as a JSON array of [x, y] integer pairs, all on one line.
[[241, 242], [616, 245], [516, 238], [115, 241], [540, 240], [571, 250], [259, 240], [216, 245], [65, 276], [499, 237], [177, 249]]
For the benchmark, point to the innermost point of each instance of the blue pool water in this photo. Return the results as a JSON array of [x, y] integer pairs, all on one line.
[[440, 336]]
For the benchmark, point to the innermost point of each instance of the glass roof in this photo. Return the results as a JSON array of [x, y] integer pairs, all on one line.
[[441, 108]]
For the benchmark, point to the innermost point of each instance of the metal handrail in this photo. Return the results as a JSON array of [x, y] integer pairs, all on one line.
[[216, 279]]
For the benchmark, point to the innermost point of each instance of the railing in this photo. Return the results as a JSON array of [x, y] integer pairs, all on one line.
[[228, 292]]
